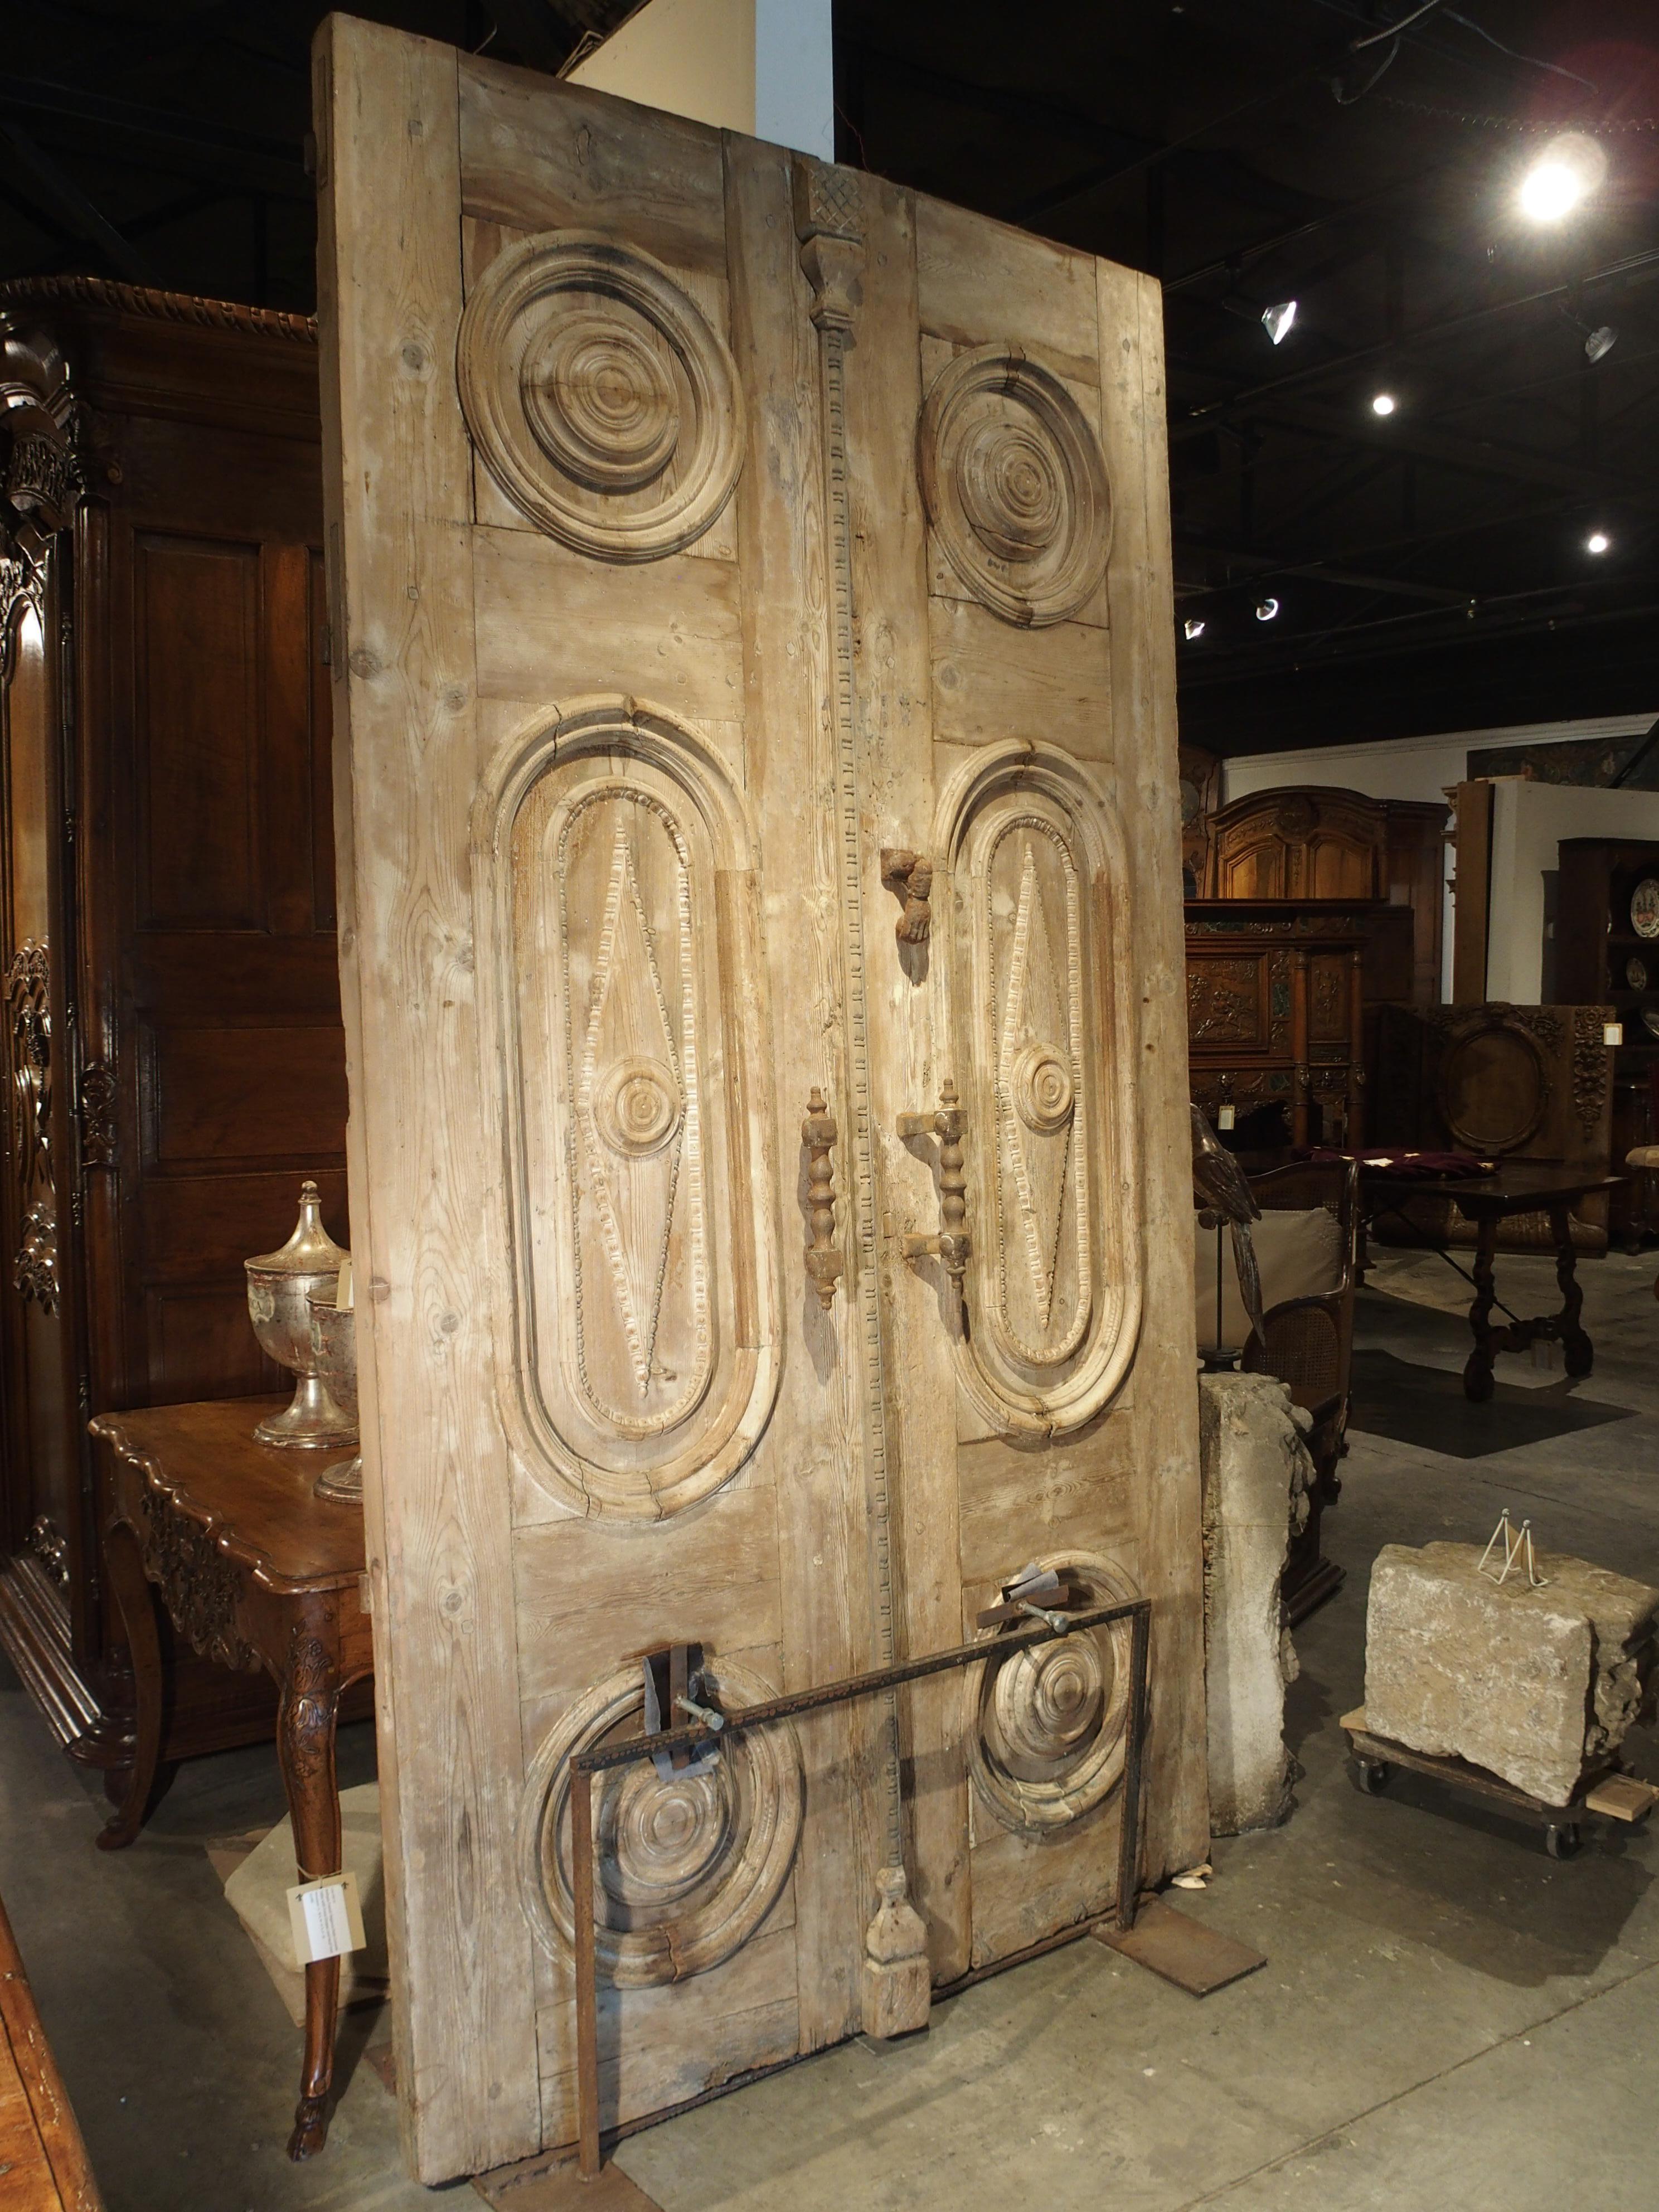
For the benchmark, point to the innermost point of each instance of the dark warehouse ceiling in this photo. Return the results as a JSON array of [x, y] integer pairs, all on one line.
[[1430, 569]]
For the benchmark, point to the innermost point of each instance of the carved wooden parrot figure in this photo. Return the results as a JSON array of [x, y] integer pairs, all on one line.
[[1219, 1190]]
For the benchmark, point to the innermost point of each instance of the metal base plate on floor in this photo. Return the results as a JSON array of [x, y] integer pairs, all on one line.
[[1182, 1950]]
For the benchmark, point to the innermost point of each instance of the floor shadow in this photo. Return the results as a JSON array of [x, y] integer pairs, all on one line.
[[1426, 1407]]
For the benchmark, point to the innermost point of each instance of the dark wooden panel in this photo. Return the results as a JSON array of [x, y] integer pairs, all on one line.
[[1228, 1000], [236, 973], [225, 1099], [202, 1345], [201, 481], [190, 1228], [197, 732]]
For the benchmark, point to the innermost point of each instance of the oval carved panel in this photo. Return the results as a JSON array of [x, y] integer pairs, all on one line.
[[686, 1865], [603, 401], [620, 997], [1015, 485], [1040, 1020], [1049, 1742]]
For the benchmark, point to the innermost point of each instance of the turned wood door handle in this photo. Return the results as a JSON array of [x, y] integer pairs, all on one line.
[[818, 1134], [953, 1245]]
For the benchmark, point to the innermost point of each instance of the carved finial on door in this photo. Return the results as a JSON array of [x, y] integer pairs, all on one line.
[[897, 1989], [910, 877], [818, 1134]]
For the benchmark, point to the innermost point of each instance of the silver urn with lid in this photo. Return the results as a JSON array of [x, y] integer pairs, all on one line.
[[280, 1288]]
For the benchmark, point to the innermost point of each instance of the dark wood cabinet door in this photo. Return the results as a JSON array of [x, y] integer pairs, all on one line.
[[230, 1064]]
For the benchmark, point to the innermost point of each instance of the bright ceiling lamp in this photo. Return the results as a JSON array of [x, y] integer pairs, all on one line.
[[1384, 403], [1267, 610], [1597, 542], [1564, 176], [1276, 321], [1194, 628], [1599, 343]]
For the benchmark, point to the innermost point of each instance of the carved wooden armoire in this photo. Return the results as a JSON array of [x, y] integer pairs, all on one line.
[[176, 1064], [756, 757]]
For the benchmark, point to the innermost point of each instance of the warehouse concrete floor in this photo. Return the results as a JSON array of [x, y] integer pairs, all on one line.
[[1446, 2018]]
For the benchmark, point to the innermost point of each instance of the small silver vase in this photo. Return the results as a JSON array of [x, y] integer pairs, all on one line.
[[334, 1353], [280, 1286]]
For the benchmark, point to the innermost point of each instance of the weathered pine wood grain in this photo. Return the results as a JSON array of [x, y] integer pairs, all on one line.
[[1165, 1412], [436, 1480], [895, 726], [822, 1570]]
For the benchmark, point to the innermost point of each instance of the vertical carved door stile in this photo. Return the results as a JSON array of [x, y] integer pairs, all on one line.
[[832, 253]]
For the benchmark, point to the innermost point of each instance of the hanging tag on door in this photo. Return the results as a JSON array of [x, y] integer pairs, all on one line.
[[326, 1918]]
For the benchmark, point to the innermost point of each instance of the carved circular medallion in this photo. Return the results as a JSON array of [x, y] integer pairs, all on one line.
[[605, 404], [1493, 1087], [687, 1865], [1049, 1743], [1015, 485], [1043, 1096], [637, 1106]]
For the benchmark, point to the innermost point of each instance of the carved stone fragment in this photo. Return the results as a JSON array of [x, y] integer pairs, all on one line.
[[1535, 1685], [1257, 1475]]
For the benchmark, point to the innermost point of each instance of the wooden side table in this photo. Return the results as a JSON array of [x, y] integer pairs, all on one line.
[[256, 1572], [1487, 1202]]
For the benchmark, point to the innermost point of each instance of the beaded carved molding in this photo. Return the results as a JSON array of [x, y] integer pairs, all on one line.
[[599, 397], [622, 1019], [688, 1865], [1015, 485], [1040, 1025]]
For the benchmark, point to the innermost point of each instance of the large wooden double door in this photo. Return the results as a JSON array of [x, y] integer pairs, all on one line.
[[761, 957]]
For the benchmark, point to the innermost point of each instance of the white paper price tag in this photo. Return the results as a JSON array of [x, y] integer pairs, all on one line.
[[326, 1918]]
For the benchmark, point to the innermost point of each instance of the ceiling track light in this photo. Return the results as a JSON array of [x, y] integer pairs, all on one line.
[[1383, 403], [1277, 320], [1598, 542], [1266, 609], [1598, 343], [1564, 175], [1192, 627]]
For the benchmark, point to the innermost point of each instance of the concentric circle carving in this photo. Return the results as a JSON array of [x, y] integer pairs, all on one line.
[[637, 1106], [602, 400], [1015, 485], [687, 1865], [1050, 1739], [1043, 1093]]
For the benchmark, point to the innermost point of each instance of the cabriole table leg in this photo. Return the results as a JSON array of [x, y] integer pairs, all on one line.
[[305, 1744]]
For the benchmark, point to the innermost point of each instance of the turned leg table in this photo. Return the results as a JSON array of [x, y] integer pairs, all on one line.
[[256, 1572], [1488, 1203]]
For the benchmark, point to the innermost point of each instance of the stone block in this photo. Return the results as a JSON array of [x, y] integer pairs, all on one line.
[[1256, 1475], [1535, 1685]]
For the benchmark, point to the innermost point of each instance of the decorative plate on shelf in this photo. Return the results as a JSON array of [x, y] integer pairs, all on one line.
[[1636, 972], [1650, 1020], [1645, 907]]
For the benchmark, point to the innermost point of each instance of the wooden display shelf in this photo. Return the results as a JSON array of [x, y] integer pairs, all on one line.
[[1607, 1794]]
